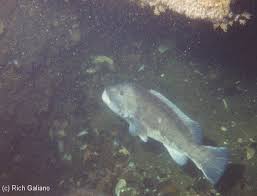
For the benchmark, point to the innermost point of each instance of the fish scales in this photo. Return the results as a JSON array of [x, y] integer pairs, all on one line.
[[169, 119]]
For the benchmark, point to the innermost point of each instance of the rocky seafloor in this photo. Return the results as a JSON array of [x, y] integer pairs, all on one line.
[[56, 59]]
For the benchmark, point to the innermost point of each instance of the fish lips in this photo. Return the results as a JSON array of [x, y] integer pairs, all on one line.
[[106, 98], [110, 103]]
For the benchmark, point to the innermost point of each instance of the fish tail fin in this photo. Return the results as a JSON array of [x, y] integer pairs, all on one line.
[[212, 162]]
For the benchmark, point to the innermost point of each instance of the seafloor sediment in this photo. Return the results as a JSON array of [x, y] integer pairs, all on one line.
[[56, 131]]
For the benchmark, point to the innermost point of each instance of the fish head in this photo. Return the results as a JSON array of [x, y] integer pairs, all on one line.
[[121, 99]]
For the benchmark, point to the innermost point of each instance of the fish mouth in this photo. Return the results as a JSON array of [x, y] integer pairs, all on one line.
[[106, 98]]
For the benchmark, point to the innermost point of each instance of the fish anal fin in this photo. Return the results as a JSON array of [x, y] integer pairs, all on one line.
[[177, 156]]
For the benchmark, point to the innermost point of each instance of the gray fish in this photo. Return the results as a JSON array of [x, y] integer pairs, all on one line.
[[151, 115]]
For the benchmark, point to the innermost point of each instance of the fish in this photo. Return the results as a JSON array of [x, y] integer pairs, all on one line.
[[150, 114]]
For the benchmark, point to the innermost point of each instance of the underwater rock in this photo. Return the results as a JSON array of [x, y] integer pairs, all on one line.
[[218, 12]]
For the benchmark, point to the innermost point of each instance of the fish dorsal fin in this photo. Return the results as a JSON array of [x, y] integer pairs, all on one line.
[[192, 125]]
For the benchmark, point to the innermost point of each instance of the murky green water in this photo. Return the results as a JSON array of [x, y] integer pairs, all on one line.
[[57, 132]]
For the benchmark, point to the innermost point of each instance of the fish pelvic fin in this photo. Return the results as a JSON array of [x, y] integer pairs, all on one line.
[[212, 161], [136, 129]]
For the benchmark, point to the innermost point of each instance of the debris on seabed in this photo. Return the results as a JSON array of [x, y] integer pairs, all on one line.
[[233, 123], [124, 151], [225, 104], [214, 192], [120, 186], [250, 152], [240, 140], [61, 183], [186, 80], [131, 165], [104, 61], [115, 143], [61, 133], [141, 68], [237, 82], [83, 147], [92, 70], [67, 157], [163, 48], [82, 133], [98, 63], [222, 128]]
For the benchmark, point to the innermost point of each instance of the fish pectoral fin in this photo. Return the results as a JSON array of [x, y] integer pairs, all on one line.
[[177, 156], [136, 129]]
